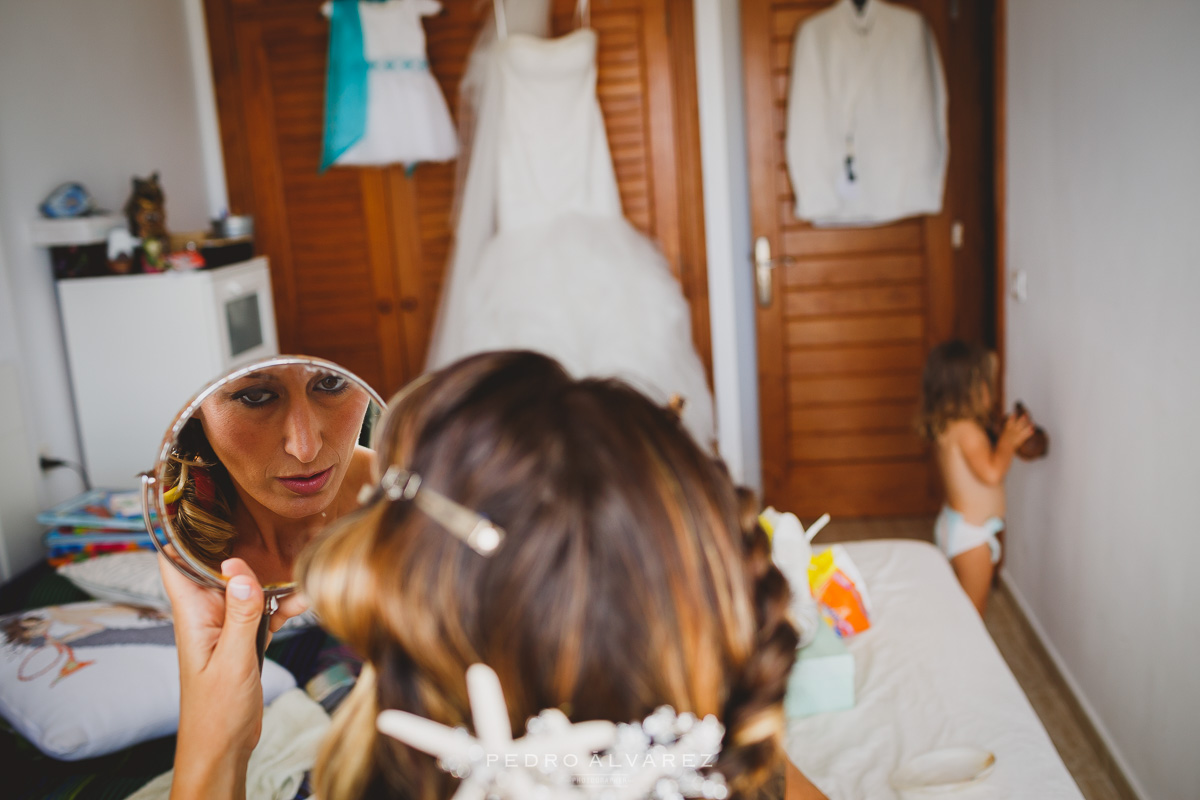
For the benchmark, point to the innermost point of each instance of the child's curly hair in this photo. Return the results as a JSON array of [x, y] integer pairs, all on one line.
[[956, 373]]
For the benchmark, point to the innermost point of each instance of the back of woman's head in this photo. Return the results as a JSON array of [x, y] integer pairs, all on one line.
[[958, 383], [625, 580]]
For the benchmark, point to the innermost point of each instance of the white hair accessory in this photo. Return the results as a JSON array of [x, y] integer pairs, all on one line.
[[664, 757]]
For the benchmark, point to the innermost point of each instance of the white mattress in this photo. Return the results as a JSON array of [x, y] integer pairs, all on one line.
[[928, 676]]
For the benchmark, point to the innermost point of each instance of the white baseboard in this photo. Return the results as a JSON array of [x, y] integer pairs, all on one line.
[[1080, 698]]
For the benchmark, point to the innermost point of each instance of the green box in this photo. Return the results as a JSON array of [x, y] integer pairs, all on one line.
[[823, 677]]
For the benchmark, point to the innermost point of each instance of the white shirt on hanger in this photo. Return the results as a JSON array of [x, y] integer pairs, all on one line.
[[866, 119]]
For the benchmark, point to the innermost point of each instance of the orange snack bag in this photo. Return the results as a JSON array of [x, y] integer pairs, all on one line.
[[838, 587]]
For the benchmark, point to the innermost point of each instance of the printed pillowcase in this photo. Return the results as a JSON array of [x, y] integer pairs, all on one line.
[[87, 679], [132, 578]]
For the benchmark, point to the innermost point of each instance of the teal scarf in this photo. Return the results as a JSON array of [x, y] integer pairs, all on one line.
[[345, 83]]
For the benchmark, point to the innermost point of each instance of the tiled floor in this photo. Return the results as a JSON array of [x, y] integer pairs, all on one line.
[[1077, 743], [849, 530]]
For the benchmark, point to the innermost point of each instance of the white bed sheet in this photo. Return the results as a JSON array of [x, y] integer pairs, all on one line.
[[927, 676]]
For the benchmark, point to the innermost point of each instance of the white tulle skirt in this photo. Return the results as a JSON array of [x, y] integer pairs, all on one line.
[[593, 293], [408, 121]]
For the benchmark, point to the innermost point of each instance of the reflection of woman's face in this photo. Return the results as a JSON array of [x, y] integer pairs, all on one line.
[[286, 435]]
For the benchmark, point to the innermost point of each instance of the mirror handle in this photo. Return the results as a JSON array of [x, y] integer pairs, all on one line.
[[264, 627]]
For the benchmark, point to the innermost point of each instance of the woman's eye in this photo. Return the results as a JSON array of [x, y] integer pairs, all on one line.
[[332, 384], [254, 397]]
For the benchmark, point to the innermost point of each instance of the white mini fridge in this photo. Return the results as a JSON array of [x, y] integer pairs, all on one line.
[[139, 347]]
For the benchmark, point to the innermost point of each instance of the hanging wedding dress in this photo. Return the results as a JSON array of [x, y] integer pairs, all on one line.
[[544, 259]]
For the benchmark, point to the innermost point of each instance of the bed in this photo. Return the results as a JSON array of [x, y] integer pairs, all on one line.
[[927, 676]]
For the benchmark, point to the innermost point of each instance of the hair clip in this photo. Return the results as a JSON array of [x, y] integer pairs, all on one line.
[[470, 527]]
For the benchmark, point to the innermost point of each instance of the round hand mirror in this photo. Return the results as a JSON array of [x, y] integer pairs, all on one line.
[[257, 464]]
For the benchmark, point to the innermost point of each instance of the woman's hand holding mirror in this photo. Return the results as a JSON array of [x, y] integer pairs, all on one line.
[[256, 465], [217, 659]]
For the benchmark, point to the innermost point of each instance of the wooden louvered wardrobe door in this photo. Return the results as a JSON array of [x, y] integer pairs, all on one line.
[[358, 254], [335, 286], [855, 310]]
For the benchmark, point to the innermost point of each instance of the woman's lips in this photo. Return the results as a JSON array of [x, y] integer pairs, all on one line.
[[307, 484]]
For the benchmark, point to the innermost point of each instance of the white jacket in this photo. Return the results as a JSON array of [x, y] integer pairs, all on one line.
[[866, 87]]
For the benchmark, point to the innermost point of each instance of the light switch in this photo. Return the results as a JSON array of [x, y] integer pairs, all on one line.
[[1019, 283]]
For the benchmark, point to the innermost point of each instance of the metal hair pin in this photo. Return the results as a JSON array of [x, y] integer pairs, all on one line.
[[470, 527]]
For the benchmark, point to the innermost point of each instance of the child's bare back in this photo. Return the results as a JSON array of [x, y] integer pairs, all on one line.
[[974, 482]]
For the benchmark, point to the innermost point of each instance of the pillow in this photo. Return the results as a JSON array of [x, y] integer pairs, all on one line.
[[132, 577], [128, 577], [86, 679]]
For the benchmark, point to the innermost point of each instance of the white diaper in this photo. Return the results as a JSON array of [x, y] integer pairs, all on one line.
[[954, 535]]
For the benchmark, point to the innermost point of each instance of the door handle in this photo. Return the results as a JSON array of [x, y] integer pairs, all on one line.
[[763, 266]]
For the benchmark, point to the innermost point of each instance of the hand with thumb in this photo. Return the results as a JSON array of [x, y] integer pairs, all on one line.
[[221, 702]]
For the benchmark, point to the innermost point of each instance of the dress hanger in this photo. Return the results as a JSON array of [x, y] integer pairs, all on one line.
[[584, 12], [860, 5]]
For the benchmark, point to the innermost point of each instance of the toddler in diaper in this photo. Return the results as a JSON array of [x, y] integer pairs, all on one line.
[[957, 393], [954, 535]]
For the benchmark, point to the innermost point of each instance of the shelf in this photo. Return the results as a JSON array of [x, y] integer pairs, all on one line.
[[74, 230]]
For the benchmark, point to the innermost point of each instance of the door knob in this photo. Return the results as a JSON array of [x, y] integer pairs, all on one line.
[[763, 265]]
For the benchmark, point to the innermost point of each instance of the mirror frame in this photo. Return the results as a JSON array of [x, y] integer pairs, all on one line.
[[152, 492]]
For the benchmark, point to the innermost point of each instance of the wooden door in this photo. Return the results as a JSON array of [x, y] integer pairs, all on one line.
[[358, 254], [328, 236], [855, 310]]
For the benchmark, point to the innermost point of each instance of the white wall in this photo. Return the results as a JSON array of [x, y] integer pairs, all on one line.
[[92, 92], [18, 495], [1103, 213]]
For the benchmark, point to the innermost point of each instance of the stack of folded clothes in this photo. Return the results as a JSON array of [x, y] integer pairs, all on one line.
[[94, 523]]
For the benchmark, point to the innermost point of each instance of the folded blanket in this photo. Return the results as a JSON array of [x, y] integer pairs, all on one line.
[[293, 727]]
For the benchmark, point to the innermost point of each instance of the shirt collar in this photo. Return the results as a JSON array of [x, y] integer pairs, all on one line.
[[861, 22]]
